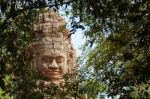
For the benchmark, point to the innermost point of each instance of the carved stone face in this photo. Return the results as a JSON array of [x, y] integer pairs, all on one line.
[[52, 65]]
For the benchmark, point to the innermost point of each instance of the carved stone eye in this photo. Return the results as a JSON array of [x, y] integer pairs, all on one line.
[[60, 59], [47, 59]]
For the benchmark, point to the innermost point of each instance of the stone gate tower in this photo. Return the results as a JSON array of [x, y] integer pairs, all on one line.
[[53, 54]]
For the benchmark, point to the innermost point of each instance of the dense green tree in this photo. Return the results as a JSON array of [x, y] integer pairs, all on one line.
[[117, 50], [117, 55], [14, 36]]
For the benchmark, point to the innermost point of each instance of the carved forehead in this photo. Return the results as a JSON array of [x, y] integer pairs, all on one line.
[[53, 53]]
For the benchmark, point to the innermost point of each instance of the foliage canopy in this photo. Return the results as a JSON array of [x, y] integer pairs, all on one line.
[[117, 50], [117, 44]]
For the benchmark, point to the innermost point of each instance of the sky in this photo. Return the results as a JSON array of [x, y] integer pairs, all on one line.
[[78, 41]]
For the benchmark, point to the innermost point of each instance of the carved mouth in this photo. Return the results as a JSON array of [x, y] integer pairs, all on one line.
[[53, 74]]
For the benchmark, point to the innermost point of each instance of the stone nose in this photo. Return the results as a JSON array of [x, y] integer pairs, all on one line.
[[53, 64]]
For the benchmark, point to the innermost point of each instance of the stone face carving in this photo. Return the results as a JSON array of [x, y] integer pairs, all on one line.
[[52, 64], [52, 51]]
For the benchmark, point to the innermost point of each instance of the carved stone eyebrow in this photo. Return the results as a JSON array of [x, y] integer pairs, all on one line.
[[59, 57], [47, 56]]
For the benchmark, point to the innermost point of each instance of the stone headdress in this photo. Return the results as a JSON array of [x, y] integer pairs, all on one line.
[[50, 34]]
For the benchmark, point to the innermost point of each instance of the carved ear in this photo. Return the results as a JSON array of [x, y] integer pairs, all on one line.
[[68, 65], [33, 64], [70, 61]]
